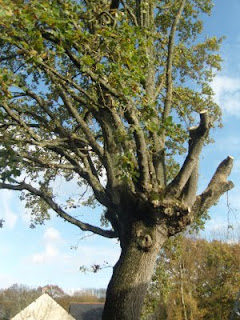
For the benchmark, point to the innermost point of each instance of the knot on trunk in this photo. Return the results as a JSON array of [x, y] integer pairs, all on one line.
[[176, 225], [144, 240], [171, 208], [175, 208], [176, 214]]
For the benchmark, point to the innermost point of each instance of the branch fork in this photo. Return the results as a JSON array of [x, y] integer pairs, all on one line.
[[197, 137]]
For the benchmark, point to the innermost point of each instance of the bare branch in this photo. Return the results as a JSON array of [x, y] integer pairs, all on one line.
[[169, 82], [216, 187], [190, 189], [18, 120], [67, 80], [96, 78], [114, 4], [47, 164], [89, 136], [88, 104], [63, 214], [131, 14], [85, 173], [159, 86], [141, 148], [197, 138], [160, 155]]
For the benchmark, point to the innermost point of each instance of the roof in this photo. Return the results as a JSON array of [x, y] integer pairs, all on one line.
[[43, 308], [86, 311]]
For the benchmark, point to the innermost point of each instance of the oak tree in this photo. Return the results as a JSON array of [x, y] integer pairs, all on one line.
[[108, 93]]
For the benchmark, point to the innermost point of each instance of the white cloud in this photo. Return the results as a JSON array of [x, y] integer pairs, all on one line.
[[222, 229], [237, 164], [229, 143], [225, 218], [52, 235], [227, 94], [49, 254], [6, 280], [6, 198], [90, 255], [4, 250], [55, 252], [234, 200], [52, 241]]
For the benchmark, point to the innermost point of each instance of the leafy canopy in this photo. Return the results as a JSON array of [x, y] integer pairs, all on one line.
[[102, 96]]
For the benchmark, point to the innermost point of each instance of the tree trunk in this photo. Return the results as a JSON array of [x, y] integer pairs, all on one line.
[[236, 308], [132, 274], [182, 291]]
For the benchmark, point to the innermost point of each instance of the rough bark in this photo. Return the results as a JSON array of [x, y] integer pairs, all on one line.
[[132, 273], [145, 227]]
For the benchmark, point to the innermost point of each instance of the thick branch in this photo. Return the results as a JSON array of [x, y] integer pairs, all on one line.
[[18, 120], [169, 82], [141, 148], [114, 4], [113, 219], [110, 149], [63, 214], [85, 173], [75, 96], [190, 189], [67, 80], [160, 146], [197, 138], [96, 78], [216, 187], [47, 164], [159, 86], [88, 134], [131, 14], [138, 11]]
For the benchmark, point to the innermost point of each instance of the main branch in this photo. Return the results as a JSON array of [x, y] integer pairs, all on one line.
[[197, 138], [216, 187], [53, 205]]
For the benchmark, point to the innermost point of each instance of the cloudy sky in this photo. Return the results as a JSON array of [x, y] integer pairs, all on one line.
[[53, 253]]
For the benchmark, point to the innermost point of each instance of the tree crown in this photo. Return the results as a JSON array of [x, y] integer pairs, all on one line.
[[104, 93]]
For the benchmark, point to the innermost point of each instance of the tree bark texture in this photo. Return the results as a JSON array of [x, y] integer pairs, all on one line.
[[132, 273]]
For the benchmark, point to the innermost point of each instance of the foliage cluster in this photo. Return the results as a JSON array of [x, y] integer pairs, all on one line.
[[82, 95], [195, 279]]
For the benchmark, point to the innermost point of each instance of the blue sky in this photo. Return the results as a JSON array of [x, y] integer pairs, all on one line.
[[44, 255]]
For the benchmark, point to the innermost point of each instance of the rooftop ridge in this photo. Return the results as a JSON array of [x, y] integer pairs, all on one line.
[[87, 302]]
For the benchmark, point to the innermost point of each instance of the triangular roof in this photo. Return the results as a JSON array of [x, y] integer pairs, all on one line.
[[86, 311], [43, 308]]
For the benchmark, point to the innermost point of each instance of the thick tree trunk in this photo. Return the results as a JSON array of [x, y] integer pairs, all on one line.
[[131, 275]]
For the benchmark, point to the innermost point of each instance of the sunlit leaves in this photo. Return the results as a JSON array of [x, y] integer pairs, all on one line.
[[202, 275], [100, 61]]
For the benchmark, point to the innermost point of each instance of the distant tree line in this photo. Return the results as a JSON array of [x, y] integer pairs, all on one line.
[[18, 296], [194, 279]]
